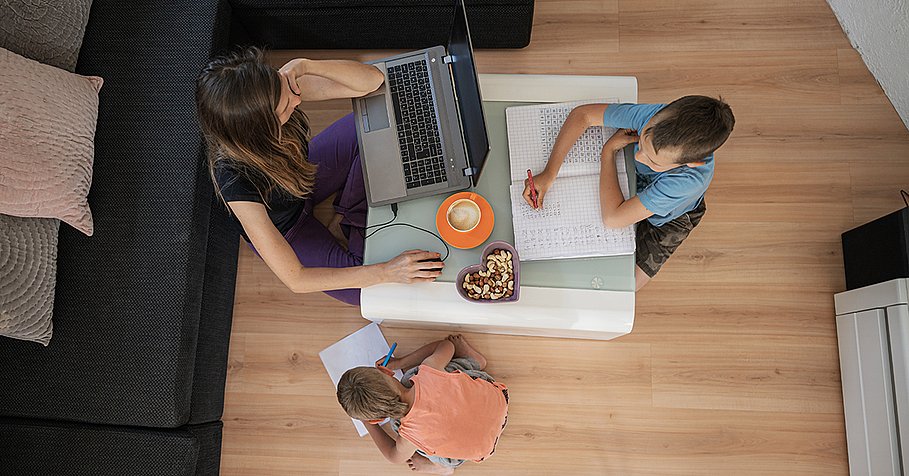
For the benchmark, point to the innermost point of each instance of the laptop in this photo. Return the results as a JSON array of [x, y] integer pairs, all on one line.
[[423, 131]]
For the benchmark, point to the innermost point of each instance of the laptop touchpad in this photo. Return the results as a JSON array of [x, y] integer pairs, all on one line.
[[376, 117]]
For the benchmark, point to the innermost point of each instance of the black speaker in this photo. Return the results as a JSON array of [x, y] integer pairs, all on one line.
[[877, 251]]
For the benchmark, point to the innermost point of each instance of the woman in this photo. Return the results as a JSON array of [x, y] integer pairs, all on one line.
[[271, 175]]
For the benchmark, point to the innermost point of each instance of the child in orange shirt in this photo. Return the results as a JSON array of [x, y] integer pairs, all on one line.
[[446, 411]]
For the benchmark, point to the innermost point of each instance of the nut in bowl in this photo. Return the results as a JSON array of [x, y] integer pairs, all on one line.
[[496, 279]]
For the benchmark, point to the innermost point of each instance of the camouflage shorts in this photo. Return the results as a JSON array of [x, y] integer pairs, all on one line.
[[655, 244]]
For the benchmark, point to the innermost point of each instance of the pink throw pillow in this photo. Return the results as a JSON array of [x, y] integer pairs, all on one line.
[[47, 135]]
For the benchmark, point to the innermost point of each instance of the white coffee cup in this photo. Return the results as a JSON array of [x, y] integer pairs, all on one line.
[[463, 215]]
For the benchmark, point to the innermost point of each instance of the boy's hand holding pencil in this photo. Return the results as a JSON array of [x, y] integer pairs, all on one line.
[[388, 361], [535, 187], [391, 365]]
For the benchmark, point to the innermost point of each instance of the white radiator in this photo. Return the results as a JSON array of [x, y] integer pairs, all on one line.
[[872, 325]]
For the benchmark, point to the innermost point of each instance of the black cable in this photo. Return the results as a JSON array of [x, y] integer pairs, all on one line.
[[389, 224], [905, 196], [447, 249], [394, 211]]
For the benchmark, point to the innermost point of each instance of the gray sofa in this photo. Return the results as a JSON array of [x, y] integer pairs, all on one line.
[[132, 382]]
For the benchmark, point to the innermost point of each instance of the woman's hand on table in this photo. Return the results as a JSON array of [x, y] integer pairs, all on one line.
[[412, 266]]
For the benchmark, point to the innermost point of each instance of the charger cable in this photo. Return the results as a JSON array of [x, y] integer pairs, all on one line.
[[390, 223]]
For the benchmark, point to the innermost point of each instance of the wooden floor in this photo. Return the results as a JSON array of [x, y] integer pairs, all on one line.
[[732, 366]]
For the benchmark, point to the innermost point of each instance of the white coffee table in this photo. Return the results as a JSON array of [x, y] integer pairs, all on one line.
[[579, 298]]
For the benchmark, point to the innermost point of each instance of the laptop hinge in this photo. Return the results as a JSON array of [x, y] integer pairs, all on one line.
[[466, 171]]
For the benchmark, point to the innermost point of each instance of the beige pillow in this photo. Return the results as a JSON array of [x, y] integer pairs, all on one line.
[[48, 31], [47, 133], [28, 273]]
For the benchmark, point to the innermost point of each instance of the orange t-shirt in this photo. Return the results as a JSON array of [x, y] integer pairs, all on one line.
[[455, 416]]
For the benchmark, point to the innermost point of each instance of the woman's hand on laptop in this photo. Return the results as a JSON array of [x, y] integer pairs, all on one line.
[[412, 266], [542, 183]]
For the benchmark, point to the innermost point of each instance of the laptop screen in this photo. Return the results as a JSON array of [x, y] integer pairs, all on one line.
[[470, 105]]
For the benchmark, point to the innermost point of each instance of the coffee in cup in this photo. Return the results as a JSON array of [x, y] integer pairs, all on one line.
[[463, 215]]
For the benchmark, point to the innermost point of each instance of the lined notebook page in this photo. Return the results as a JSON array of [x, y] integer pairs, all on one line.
[[569, 225]]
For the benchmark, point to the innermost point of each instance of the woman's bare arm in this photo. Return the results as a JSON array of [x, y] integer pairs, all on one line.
[[282, 260], [318, 80]]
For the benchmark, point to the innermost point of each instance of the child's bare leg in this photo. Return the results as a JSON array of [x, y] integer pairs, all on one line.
[[422, 465], [463, 349]]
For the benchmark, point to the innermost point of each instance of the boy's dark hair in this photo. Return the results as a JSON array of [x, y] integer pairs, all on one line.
[[695, 125], [364, 394]]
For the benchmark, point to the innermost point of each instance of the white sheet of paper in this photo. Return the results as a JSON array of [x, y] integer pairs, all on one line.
[[360, 349]]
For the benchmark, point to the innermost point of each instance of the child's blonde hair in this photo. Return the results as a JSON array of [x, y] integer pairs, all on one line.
[[364, 394]]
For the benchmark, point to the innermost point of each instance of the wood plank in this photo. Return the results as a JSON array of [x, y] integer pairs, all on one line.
[[876, 182], [712, 25], [556, 24], [857, 85], [771, 314], [585, 440], [787, 377], [776, 189], [619, 440], [797, 131]]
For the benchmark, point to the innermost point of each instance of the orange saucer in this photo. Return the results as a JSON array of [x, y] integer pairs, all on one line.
[[466, 239]]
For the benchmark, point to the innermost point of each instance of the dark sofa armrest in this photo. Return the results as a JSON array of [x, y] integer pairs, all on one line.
[[371, 24]]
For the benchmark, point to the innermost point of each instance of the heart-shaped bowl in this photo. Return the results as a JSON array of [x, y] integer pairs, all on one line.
[[495, 245]]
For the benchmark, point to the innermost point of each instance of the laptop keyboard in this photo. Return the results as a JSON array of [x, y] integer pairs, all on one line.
[[418, 130]]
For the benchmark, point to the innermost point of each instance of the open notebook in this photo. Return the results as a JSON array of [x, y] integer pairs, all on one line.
[[570, 224]]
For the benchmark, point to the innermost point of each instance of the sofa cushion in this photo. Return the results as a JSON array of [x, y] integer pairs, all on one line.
[[41, 448], [47, 31], [128, 299], [46, 145], [28, 271]]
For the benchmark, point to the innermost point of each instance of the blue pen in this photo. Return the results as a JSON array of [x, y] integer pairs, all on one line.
[[388, 357]]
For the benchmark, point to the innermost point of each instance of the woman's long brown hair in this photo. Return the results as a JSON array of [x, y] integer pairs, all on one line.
[[236, 98]]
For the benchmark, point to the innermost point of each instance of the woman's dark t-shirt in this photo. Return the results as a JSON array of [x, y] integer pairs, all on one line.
[[284, 210]]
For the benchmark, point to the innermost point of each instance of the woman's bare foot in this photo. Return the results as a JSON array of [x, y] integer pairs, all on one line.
[[423, 465], [463, 349]]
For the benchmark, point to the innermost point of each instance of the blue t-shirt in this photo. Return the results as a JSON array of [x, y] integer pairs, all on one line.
[[669, 194]]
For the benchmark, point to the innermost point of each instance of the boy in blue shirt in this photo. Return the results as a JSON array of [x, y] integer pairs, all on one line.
[[674, 164]]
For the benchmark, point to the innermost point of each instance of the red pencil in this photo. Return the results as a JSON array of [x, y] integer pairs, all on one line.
[[533, 189]]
